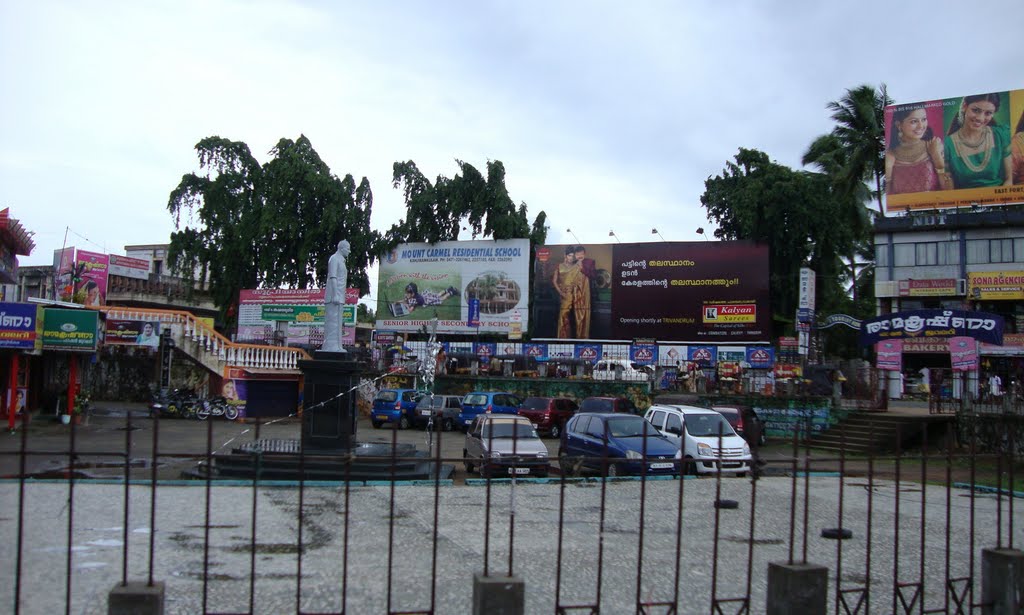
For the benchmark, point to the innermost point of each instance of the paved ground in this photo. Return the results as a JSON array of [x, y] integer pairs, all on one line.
[[601, 534]]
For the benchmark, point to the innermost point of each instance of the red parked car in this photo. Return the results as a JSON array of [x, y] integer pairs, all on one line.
[[548, 414], [609, 404]]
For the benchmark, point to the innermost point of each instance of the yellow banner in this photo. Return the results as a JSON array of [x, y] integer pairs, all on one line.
[[996, 285]]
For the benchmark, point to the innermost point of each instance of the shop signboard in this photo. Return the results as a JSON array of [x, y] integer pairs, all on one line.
[[699, 292], [21, 326], [760, 357], [963, 354], [643, 354], [259, 311], [420, 282], [538, 351], [485, 350], [889, 355], [939, 287], [703, 356], [71, 330], [591, 353], [973, 165], [982, 326], [996, 285]]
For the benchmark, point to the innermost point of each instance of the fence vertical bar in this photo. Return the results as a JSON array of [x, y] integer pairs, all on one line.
[[1010, 463], [563, 467], [391, 512], [807, 484], [792, 493], [257, 467], [152, 495], [72, 457], [715, 531], [924, 518], [896, 522], [679, 535], [839, 543], [437, 512], [949, 517], [127, 483], [22, 455], [206, 517]]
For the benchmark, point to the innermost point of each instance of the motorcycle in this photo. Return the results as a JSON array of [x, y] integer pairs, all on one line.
[[179, 403], [218, 406]]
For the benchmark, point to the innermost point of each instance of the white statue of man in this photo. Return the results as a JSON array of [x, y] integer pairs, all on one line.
[[334, 298]]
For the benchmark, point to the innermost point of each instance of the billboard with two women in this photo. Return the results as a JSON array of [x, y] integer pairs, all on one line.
[[700, 292], [955, 152]]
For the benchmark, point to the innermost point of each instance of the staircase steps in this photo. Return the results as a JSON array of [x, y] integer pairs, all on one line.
[[865, 433]]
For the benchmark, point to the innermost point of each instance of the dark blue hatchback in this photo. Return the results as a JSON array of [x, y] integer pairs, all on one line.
[[616, 444], [482, 402]]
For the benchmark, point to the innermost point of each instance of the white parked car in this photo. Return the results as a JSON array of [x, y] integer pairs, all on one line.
[[620, 369], [707, 442]]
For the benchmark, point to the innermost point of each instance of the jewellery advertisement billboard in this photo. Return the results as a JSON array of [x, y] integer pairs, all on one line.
[[955, 152], [675, 291], [419, 282]]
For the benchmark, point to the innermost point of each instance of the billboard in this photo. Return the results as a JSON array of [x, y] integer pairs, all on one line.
[[132, 333], [72, 330], [129, 267], [675, 291], [419, 282], [92, 289], [302, 311], [955, 152]]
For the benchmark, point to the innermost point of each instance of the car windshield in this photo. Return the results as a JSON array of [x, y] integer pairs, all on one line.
[[630, 427], [708, 425], [425, 402], [597, 405], [508, 430], [475, 400], [535, 403], [387, 396]]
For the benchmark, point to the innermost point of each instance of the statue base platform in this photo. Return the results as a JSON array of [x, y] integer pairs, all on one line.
[[285, 459]]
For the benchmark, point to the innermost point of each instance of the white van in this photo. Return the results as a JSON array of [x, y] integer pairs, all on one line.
[[696, 432], [620, 369]]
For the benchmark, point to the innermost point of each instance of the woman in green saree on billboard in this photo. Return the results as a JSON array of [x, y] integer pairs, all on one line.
[[977, 145]]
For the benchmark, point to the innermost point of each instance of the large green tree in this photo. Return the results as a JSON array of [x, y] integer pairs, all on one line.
[[439, 210], [859, 130], [792, 213], [245, 225]]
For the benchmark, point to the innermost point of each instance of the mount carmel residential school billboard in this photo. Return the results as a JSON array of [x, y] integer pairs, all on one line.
[[673, 291], [469, 286]]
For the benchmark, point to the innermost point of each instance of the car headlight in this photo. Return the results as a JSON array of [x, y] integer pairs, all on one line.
[[679, 454], [495, 454], [746, 450], [705, 450], [633, 455], [542, 455]]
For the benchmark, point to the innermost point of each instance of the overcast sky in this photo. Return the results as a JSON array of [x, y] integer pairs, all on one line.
[[607, 115]]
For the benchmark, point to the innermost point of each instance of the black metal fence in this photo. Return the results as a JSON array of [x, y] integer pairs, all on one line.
[[902, 533]]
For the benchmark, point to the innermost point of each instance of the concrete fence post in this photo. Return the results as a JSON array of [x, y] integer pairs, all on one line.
[[136, 598], [1002, 581], [797, 589], [498, 595]]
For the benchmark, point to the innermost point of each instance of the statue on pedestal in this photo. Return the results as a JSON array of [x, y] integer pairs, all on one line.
[[334, 298]]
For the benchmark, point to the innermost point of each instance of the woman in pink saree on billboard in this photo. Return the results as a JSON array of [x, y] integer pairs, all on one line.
[[914, 161]]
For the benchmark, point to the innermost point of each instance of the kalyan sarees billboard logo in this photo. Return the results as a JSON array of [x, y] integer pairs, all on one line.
[[719, 312]]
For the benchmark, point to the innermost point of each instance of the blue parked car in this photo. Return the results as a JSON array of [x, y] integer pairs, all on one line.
[[394, 406], [614, 445], [480, 402]]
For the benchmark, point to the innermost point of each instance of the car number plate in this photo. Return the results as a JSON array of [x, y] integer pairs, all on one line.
[[382, 417], [661, 466], [519, 470], [425, 412]]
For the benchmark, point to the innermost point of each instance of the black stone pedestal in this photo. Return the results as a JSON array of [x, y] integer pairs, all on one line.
[[329, 402]]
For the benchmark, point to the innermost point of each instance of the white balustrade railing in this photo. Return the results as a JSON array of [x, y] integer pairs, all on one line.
[[211, 344]]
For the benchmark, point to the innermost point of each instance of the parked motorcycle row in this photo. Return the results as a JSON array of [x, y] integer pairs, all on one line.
[[185, 404]]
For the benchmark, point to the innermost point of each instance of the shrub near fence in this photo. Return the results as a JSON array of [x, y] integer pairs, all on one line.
[[991, 432]]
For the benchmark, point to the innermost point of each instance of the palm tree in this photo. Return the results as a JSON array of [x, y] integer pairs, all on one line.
[[860, 132]]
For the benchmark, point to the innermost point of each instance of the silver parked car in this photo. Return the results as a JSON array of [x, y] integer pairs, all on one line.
[[444, 409], [504, 445]]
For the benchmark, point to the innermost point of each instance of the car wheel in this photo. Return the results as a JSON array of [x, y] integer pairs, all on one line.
[[376, 424], [567, 464], [613, 470], [741, 475], [466, 462], [448, 425], [556, 430], [403, 423], [690, 467]]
